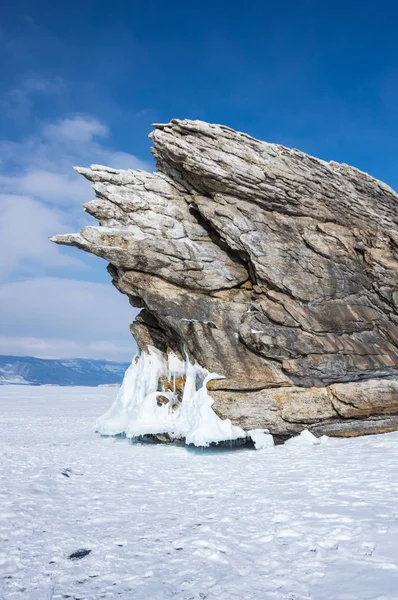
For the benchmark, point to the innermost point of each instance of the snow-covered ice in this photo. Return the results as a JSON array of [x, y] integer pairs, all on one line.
[[292, 522]]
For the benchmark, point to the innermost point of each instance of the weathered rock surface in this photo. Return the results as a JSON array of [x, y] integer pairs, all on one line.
[[277, 270]]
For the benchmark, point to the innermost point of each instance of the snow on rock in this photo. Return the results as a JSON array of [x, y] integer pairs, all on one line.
[[261, 438], [306, 438], [143, 406]]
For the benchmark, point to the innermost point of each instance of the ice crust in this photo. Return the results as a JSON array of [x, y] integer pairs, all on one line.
[[136, 412]]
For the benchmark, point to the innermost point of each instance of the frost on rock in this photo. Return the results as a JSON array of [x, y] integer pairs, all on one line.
[[151, 402]]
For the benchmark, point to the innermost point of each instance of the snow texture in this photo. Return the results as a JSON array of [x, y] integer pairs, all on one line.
[[136, 411], [297, 522]]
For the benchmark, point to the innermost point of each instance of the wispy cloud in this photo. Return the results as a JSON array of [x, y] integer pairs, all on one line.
[[49, 186], [18, 101], [25, 225], [41, 165], [42, 313], [76, 129], [42, 194], [51, 316], [62, 348], [35, 83]]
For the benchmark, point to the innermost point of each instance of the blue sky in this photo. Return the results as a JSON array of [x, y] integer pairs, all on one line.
[[82, 82]]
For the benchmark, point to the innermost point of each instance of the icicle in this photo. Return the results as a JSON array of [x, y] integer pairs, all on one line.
[[137, 410]]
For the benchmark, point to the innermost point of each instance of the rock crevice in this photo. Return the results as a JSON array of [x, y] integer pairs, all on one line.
[[265, 265]]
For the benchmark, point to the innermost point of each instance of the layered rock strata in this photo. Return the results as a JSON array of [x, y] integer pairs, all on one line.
[[269, 267]]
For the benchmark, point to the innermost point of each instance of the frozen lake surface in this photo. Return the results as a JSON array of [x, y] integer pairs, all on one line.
[[286, 523]]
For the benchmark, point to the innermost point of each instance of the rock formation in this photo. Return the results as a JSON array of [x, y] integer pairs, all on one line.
[[269, 267]]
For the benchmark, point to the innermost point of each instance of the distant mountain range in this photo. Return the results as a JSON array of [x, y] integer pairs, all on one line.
[[27, 370]]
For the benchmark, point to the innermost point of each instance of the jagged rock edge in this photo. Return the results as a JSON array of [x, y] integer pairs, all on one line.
[[332, 167]]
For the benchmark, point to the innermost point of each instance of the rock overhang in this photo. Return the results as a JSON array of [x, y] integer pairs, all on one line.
[[273, 268]]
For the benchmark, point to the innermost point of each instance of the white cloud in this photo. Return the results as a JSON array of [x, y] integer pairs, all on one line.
[[77, 129], [42, 195], [49, 348], [49, 186], [51, 317], [41, 166], [25, 225]]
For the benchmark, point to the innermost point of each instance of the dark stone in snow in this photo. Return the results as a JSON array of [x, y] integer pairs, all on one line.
[[79, 554]]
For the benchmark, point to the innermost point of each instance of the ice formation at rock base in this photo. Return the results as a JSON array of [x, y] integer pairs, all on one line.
[[150, 401]]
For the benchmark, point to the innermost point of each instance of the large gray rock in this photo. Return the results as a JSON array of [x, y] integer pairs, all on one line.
[[277, 270]]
